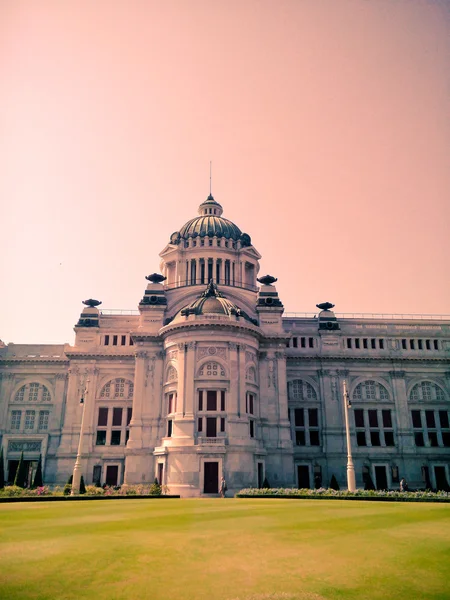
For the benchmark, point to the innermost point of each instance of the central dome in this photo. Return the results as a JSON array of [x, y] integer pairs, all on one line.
[[210, 223]]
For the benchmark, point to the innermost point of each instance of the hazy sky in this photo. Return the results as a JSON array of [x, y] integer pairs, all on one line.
[[327, 121]]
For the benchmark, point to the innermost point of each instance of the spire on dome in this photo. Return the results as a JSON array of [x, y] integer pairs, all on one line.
[[210, 208]]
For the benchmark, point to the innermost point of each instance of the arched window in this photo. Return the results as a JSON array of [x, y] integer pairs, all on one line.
[[212, 369], [172, 374], [118, 388], [426, 391], [33, 392], [251, 375], [302, 390], [370, 390]]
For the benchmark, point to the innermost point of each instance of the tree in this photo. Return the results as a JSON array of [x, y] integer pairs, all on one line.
[[266, 484], [2, 471], [68, 486], [38, 480], [82, 486], [334, 484], [369, 485], [21, 474]]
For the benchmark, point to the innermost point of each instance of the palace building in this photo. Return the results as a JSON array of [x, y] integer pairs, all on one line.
[[209, 378]]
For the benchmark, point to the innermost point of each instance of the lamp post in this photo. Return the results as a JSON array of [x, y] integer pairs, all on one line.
[[76, 478], [351, 482]]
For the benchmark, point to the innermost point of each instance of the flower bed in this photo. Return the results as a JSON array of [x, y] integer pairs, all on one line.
[[14, 493], [329, 494]]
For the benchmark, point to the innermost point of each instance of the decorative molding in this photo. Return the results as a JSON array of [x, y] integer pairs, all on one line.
[[24, 446], [262, 355], [279, 355], [343, 372], [61, 376], [272, 374], [323, 372], [7, 376], [232, 346], [141, 354], [172, 354], [397, 374], [181, 347]]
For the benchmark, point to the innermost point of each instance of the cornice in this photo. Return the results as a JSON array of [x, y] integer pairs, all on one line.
[[364, 359], [175, 327], [102, 355], [26, 360]]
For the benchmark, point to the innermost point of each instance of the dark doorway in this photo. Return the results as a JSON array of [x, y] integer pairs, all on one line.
[[112, 473], [426, 477], [303, 476], [441, 479], [211, 483], [97, 475], [260, 474], [211, 427], [381, 478], [160, 473]]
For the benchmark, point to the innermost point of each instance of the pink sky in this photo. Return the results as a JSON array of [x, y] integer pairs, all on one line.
[[327, 122]]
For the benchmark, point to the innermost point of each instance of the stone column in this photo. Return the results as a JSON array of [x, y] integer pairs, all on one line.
[[189, 383], [283, 398], [405, 436], [198, 273], [215, 270], [232, 401], [181, 388], [135, 440], [241, 379]]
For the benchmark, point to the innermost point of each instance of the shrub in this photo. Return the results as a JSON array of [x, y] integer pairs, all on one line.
[[266, 484], [369, 485], [94, 490], [155, 489], [2, 470], [334, 484], [82, 486], [20, 479]]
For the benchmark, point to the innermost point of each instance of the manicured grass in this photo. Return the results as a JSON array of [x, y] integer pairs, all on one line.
[[232, 549]]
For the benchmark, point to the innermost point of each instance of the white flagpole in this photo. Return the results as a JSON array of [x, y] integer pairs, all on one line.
[[351, 482], [76, 479]]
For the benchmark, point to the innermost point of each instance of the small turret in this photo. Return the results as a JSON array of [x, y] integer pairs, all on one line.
[[90, 315], [327, 318]]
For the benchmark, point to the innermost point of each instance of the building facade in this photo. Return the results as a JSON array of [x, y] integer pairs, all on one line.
[[208, 378]]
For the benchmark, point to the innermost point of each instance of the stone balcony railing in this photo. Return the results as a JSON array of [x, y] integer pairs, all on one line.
[[206, 441]]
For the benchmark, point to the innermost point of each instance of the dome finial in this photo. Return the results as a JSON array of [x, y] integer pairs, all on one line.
[[210, 186]]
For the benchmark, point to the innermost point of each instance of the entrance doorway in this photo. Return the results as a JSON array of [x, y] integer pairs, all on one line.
[[112, 474], [381, 482], [303, 476], [211, 478], [260, 474], [441, 479], [160, 473]]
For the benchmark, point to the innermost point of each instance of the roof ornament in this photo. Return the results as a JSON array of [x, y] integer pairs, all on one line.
[[325, 306], [211, 291], [91, 302], [267, 280], [155, 278]]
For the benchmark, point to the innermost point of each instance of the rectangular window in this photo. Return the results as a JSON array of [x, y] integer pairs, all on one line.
[[169, 428], [361, 438], [299, 417], [349, 343], [101, 438], [436, 344], [300, 438], [411, 344], [211, 427], [418, 437], [375, 438], [428, 344], [303, 342], [295, 342], [373, 418], [381, 344], [429, 417], [131, 342], [200, 400], [127, 436], [417, 421], [102, 417], [313, 417], [117, 417], [43, 419], [432, 436], [106, 340], [222, 424], [250, 405], [29, 419], [115, 437], [389, 438], [443, 419], [200, 425], [314, 437], [403, 344], [365, 341], [359, 417], [311, 342], [222, 400], [420, 344], [211, 400], [373, 343], [114, 340], [387, 418], [357, 343], [15, 419], [252, 428], [124, 340], [446, 438], [129, 415]]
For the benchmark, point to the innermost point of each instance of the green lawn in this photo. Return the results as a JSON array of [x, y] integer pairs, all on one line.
[[264, 549]]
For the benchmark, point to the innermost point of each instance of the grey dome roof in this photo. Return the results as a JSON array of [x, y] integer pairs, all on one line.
[[210, 223], [212, 302]]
